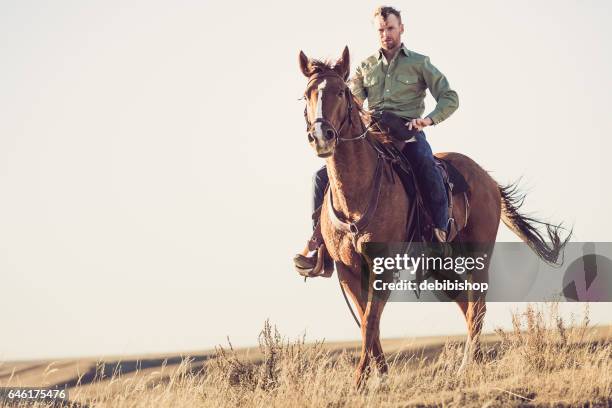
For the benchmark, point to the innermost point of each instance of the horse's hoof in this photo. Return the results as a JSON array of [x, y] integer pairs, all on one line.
[[462, 369], [360, 380], [478, 356], [381, 382], [465, 362]]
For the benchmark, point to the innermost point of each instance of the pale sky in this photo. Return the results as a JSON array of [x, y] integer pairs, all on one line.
[[155, 173]]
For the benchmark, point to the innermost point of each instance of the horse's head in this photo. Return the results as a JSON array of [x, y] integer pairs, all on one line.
[[328, 101]]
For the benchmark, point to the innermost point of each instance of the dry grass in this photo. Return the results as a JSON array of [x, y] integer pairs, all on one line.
[[543, 361]]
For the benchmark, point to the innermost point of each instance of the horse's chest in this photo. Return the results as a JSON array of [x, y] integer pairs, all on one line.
[[343, 246]]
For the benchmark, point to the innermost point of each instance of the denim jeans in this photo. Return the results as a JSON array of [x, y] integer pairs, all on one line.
[[427, 174]]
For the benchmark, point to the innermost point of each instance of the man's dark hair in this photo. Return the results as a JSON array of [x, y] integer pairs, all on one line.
[[386, 11]]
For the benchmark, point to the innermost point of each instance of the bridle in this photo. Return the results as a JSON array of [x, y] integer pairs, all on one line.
[[356, 227], [347, 118]]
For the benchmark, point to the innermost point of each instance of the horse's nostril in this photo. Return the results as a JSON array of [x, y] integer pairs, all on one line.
[[310, 138], [329, 134]]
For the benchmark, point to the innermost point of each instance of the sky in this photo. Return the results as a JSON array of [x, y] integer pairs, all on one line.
[[155, 175]]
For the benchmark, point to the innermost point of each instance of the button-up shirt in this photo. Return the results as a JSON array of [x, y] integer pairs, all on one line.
[[399, 85]]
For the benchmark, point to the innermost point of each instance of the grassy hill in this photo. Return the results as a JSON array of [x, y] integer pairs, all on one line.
[[543, 361]]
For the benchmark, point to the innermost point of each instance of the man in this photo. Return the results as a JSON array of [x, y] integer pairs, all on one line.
[[394, 81]]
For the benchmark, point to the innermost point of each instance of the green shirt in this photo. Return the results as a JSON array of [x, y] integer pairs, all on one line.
[[399, 85]]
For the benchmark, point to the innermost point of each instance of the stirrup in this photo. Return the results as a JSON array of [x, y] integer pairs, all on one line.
[[441, 238], [440, 235]]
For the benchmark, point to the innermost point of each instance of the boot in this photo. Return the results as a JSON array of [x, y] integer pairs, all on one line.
[[314, 260], [307, 259]]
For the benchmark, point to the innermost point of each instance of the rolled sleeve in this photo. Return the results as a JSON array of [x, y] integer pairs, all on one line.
[[447, 100]]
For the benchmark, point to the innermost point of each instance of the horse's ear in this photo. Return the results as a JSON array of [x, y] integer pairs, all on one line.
[[304, 64], [343, 65]]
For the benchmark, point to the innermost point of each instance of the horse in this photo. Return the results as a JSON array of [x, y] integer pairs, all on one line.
[[338, 134]]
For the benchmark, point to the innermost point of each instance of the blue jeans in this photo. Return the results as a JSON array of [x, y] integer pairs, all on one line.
[[427, 174]]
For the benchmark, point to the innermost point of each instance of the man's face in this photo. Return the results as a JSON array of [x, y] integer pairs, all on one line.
[[389, 31]]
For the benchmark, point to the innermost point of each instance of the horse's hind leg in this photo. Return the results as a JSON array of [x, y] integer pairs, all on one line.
[[474, 313], [482, 226]]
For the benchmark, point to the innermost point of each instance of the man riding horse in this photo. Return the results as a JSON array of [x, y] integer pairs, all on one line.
[[394, 81]]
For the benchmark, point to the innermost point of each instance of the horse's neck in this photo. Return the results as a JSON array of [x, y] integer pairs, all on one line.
[[351, 172]]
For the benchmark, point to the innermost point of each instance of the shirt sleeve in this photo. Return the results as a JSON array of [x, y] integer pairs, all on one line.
[[447, 99], [356, 85]]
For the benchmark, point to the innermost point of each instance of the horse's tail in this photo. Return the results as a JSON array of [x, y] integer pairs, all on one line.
[[526, 227]]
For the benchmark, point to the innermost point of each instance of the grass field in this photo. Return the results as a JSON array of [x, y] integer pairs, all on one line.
[[542, 361]]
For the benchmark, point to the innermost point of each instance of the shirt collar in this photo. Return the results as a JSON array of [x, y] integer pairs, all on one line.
[[403, 49]]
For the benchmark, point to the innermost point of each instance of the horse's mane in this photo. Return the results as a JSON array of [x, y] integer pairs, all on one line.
[[317, 66]]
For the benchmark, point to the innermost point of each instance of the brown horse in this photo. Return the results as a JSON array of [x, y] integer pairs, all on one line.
[[339, 135]]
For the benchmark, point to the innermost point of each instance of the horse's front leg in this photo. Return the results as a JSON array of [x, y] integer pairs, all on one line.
[[379, 355], [352, 285], [370, 341]]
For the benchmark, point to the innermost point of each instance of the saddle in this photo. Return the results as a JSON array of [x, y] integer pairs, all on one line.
[[420, 223]]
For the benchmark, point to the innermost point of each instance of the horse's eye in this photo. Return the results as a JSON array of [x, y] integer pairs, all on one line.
[[341, 94]]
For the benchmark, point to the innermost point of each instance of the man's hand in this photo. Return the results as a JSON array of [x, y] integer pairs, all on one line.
[[419, 124]]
